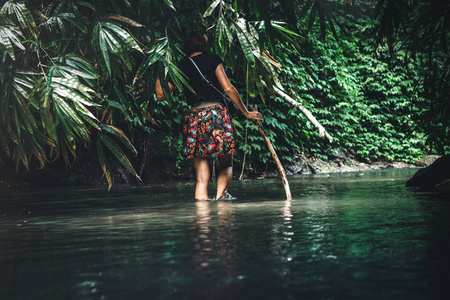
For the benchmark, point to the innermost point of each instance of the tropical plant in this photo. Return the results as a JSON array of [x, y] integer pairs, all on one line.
[[74, 73], [51, 101], [420, 29]]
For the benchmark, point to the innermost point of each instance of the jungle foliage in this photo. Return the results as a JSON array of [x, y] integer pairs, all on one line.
[[79, 76]]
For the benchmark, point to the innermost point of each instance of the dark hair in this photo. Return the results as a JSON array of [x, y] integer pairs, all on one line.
[[194, 43]]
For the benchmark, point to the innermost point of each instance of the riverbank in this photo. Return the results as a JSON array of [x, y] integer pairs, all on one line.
[[161, 170], [312, 165]]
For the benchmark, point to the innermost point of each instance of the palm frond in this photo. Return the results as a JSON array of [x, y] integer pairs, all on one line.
[[119, 154], [21, 13], [109, 39], [118, 133], [10, 36], [247, 47], [211, 8]]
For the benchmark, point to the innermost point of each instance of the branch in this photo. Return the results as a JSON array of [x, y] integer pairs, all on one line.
[[304, 110], [276, 159]]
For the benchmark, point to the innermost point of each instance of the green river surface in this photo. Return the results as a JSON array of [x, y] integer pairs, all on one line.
[[360, 235]]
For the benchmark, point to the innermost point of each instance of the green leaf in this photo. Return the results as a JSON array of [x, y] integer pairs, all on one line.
[[78, 72], [312, 17], [89, 115], [73, 83], [22, 155], [219, 33], [151, 59], [22, 14], [27, 116], [9, 130], [49, 78], [120, 135], [268, 67], [278, 26], [118, 49], [73, 96], [74, 59], [38, 152], [125, 36], [104, 49], [253, 37], [5, 40], [68, 111], [211, 8], [119, 154], [68, 128], [177, 74], [246, 47], [14, 35], [46, 116], [170, 4], [25, 18], [103, 162], [122, 108], [67, 114]]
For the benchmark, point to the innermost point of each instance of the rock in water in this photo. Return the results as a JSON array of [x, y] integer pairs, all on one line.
[[427, 160], [435, 177]]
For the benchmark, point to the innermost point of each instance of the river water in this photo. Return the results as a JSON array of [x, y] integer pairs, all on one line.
[[360, 235]]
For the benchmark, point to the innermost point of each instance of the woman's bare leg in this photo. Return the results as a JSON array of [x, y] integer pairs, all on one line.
[[225, 174], [202, 175]]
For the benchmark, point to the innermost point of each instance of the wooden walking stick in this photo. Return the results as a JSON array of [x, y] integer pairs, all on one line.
[[277, 161]]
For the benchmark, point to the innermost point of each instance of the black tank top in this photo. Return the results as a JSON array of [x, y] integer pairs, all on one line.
[[207, 63]]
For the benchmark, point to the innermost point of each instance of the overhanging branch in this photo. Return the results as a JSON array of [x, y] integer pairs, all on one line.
[[304, 110]]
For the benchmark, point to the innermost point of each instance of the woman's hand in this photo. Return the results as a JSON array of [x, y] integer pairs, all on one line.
[[254, 115]]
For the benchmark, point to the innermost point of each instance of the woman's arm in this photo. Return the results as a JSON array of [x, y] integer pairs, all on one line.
[[231, 91], [159, 91]]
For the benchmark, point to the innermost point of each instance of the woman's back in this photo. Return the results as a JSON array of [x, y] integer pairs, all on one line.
[[207, 64]]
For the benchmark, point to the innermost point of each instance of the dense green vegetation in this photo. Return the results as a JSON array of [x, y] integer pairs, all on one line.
[[77, 77], [366, 101]]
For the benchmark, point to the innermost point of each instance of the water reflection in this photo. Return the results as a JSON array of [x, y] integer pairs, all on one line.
[[281, 245], [214, 248], [213, 241], [203, 251], [283, 232]]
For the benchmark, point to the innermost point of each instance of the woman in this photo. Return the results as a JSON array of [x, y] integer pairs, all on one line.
[[209, 130]]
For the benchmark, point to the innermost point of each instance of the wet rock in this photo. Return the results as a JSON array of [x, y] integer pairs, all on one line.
[[401, 165], [435, 177], [300, 164], [427, 160], [295, 167], [337, 163]]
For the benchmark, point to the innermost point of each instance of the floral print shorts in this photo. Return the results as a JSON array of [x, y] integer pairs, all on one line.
[[208, 131]]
